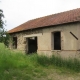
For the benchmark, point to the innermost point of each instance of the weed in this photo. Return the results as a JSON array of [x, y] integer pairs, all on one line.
[[73, 64], [16, 66]]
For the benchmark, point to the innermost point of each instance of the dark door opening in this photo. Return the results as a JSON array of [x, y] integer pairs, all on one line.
[[32, 44], [57, 41], [15, 42]]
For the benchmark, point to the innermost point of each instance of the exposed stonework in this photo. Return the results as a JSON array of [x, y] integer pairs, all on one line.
[[70, 46], [22, 43]]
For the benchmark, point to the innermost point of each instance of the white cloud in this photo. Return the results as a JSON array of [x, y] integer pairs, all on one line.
[[20, 11]]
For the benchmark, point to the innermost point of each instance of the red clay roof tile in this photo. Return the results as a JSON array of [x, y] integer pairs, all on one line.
[[55, 19]]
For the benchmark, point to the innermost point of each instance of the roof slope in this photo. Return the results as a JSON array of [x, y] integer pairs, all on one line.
[[55, 19]]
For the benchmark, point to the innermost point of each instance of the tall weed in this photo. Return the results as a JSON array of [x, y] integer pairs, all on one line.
[[73, 64], [10, 59]]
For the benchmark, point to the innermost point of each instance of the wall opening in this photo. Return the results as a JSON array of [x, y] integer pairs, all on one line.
[[32, 44], [15, 42], [57, 40]]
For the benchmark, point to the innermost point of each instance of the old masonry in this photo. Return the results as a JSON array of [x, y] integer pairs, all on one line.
[[57, 34]]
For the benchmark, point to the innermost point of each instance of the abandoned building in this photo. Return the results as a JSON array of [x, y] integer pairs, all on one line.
[[54, 34]]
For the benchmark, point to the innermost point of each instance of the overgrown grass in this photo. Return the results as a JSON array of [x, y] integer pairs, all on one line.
[[72, 64], [17, 66], [14, 65]]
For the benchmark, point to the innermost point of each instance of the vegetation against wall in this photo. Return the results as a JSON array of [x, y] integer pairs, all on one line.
[[17, 66]]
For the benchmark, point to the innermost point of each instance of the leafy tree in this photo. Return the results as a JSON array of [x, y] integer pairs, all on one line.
[[4, 36], [1, 21], [1, 25]]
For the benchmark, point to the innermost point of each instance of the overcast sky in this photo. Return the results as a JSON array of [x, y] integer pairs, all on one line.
[[19, 11]]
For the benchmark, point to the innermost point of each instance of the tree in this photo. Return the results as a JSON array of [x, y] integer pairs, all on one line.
[[1, 25], [4, 36], [1, 21]]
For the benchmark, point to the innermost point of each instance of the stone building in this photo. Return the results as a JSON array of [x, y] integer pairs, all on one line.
[[54, 34]]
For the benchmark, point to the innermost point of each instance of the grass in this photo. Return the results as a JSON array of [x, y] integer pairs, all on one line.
[[72, 64], [17, 66]]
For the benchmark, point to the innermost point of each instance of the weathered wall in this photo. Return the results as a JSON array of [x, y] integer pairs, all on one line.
[[69, 44], [22, 43]]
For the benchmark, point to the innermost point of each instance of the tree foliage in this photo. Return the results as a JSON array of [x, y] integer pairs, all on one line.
[[1, 21], [4, 36]]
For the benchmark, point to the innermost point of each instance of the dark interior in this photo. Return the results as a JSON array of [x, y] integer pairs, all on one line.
[[57, 41], [32, 45], [15, 42]]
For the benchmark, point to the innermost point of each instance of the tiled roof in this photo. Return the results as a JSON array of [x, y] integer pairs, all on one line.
[[54, 19]]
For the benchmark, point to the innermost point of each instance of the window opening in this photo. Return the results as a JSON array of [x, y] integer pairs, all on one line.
[[57, 40], [15, 42]]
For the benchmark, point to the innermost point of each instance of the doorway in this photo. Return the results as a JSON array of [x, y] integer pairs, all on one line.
[[32, 44]]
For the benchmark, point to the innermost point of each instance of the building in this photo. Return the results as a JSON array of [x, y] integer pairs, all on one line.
[[54, 34]]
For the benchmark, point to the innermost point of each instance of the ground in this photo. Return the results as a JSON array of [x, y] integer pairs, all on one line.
[[16, 66]]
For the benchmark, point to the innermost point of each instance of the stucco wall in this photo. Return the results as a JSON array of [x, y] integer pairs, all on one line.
[[69, 44]]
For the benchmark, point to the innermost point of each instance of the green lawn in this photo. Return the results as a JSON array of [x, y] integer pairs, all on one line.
[[17, 66]]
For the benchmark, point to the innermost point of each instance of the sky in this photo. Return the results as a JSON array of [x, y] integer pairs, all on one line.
[[17, 12]]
